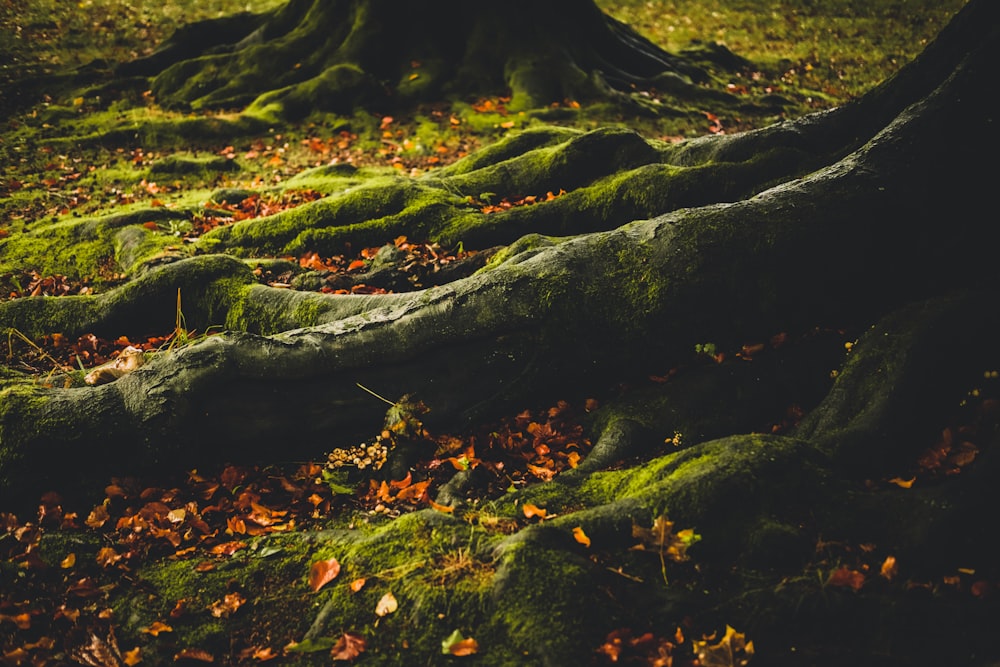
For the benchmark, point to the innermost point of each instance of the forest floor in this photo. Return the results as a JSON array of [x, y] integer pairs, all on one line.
[[819, 55]]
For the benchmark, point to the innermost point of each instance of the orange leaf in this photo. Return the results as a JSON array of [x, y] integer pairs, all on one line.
[[414, 491], [68, 562], [323, 572], [107, 556], [904, 483], [581, 536], [349, 646], [531, 510], [133, 657], [358, 584], [356, 264], [157, 628], [843, 576], [227, 548], [889, 569], [440, 508], [464, 647]]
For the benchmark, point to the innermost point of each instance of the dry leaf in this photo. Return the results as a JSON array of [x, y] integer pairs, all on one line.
[[358, 584], [661, 538], [323, 572], [531, 510], [107, 556], [99, 652], [157, 628], [133, 657], [197, 654], [733, 650], [349, 646], [465, 647], [843, 576], [68, 562], [386, 605], [456, 644], [440, 508], [889, 569], [581, 536], [227, 605]]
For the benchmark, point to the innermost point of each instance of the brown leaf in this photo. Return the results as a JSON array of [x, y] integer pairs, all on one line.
[[227, 605], [323, 572], [97, 517], [107, 556], [844, 576], [197, 654], [349, 646], [386, 605], [663, 539], [99, 652]]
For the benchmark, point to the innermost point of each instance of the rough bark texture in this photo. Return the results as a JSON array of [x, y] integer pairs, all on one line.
[[309, 56], [866, 216]]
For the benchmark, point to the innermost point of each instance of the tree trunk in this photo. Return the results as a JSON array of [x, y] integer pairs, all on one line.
[[312, 56]]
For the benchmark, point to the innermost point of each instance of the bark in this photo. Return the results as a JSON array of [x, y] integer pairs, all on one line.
[[335, 56], [836, 246]]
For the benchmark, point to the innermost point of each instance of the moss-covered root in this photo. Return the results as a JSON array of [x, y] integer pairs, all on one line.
[[902, 379], [208, 287]]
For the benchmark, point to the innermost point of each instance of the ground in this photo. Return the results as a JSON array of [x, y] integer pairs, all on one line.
[[808, 461]]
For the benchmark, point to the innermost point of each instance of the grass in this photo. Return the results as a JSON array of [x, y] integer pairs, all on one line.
[[42, 36], [839, 47]]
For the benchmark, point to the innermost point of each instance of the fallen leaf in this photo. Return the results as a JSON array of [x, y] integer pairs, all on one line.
[[440, 508], [889, 569], [844, 576], [22, 621], [386, 605], [530, 510], [133, 657], [458, 645], [264, 654], [662, 538], [98, 652], [197, 654], [107, 556], [227, 548], [348, 647], [323, 572], [157, 628], [227, 605], [358, 584], [903, 483], [465, 647], [581, 536], [732, 650], [68, 562]]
